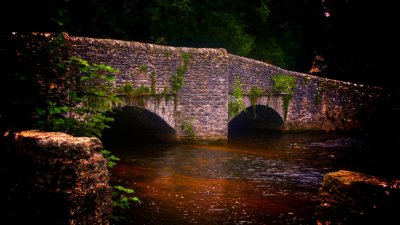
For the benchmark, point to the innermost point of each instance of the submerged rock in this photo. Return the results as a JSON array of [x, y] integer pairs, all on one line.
[[347, 197]]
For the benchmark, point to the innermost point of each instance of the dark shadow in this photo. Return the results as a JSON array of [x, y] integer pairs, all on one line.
[[136, 125], [263, 120]]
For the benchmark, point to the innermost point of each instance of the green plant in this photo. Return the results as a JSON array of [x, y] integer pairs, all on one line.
[[125, 89], [167, 96], [78, 96], [140, 94], [34, 69], [167, 54], [124, 201], [90, 94], [111, 159], [255, 93], [284, 84], [153, 77], [330, 85], [122, 197], [137, 94], [186, 58], [187, 128], [176, 80], [318, 96], [142, 90], [236, 103], [142, 69]]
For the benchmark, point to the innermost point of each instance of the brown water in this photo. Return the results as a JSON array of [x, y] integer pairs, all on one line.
[[263, 179]]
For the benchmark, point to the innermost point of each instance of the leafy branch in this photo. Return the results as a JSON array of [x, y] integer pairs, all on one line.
[[284, 84]]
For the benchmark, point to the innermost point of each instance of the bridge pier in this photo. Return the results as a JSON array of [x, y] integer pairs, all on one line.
[[197, 124]]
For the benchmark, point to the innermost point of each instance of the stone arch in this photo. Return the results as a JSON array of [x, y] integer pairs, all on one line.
[[273, 102], [158, 105], [134, 123], [264, 118]]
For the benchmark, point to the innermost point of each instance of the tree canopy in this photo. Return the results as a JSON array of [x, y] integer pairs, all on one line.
[[342, 39]]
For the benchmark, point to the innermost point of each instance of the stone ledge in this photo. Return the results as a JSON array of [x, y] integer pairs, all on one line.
[[55, 178], [57, 144]]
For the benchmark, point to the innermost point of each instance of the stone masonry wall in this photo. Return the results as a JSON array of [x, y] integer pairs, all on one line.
[[317, 103], [203, 98], [55, 178]]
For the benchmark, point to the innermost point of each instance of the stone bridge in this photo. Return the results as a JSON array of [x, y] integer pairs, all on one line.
[[199, 109]]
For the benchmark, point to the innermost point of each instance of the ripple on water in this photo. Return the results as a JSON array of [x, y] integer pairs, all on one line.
[[228, 185]]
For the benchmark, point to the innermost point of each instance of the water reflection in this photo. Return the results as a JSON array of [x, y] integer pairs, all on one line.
[[269, 179]]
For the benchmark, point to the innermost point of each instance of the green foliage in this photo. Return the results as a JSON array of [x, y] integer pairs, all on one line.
[[318, 96], [166, 95], [142, 69], [141, 90], [167, 54], [34, 69], [255, 93], [236, 103], [186, 57], [71, 95], [286, 101], [224, 23], [126, 88], [286, 33], [284, 84], [124, 201], [111, 159], [122, 197], [130, 91], [330, 85], [230, 31], [177, 79], [153, 77], [137, 94], [271, 50], [90, 94], [187, 128]]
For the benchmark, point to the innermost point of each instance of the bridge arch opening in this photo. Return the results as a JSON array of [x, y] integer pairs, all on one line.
[[136, 125], [262, 119]]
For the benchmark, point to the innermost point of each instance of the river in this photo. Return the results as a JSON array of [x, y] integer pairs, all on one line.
[[251, 179]]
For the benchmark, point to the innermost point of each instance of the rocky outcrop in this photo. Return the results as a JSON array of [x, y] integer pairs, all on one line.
[[55, 178], [356, 198]]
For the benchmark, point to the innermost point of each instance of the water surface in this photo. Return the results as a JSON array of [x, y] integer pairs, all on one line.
[[257, 179]]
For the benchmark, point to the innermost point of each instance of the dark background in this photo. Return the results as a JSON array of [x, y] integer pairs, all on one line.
[[357, 42]]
